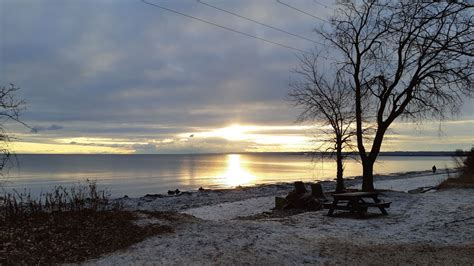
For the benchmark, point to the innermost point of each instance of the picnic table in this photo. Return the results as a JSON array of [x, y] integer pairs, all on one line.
[[356, 202]]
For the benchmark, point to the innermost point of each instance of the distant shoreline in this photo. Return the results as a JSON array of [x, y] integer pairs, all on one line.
[[391, 153]]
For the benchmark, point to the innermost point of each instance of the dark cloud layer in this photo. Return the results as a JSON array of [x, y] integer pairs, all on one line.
[[116, 61], [53, 127], [120, 68]]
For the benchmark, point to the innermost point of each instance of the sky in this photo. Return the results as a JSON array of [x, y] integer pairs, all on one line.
[[121, 76]]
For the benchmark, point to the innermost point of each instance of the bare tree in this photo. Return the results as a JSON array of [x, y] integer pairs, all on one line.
[[10, 108], [405, 59], [327, 101]]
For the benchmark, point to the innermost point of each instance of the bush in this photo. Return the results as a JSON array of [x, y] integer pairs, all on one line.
[[71, 225], [81, 197], [466, 175], [468, 166]]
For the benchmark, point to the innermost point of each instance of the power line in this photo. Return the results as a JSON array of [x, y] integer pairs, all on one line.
[[260, 23], [224, 27], [301, 11], [323, 5]]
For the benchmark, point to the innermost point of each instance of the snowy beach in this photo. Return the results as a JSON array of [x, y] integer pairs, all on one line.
[[246, 132], [235, 227]]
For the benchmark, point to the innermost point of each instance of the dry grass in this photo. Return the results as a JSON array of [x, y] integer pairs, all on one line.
[[466, 176], [353, 253], [70, 225], [457, 182], [71, 237], [19, 205]]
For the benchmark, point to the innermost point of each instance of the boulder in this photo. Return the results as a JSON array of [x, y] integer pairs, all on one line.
[[300, 198]]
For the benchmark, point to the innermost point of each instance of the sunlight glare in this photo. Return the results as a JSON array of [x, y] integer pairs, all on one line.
[[233, 132], [236, 175]]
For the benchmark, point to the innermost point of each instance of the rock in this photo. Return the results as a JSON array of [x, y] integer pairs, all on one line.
[[171, 192], [305, 202], [154, 195], [300, 188], [301, 199], [317, 192], [280, 203], [313, 204]]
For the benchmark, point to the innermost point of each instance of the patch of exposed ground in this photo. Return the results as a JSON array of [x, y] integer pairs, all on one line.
[[351, 253], [69, 237]]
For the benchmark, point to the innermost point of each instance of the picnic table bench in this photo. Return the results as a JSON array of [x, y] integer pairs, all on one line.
[[356, 202]]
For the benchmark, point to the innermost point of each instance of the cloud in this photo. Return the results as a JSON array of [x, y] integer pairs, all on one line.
[[201, 145], [120, 69], [123, 69], [149, 148], [53, 127]]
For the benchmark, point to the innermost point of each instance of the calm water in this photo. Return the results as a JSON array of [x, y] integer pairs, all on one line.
[[137, 175]]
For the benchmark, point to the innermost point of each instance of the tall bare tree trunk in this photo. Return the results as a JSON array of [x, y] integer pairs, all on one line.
[[368, 175], [369, 161], [339, 178]]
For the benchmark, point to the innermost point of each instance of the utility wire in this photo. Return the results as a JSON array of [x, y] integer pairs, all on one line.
[[323, 5], [260, 23], [224, 27], [301, 11]]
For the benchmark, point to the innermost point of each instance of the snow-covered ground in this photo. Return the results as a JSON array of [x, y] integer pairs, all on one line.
[[423, 228], [410, 182], [232, 210]]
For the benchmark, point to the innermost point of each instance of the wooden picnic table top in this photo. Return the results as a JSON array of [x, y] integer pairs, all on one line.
[[356, 195]]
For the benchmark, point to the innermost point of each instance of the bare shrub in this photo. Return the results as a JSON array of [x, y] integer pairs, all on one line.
[[466, 175], [80, 197]]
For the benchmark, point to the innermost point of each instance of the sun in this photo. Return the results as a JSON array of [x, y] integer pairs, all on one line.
[[233, 132]]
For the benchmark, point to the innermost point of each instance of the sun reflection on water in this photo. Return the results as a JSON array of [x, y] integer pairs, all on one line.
[[236, 174]]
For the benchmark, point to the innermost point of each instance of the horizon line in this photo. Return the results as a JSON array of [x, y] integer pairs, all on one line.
[[450, 152]]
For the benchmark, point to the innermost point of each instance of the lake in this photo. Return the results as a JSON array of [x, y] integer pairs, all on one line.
[[137, 175]]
